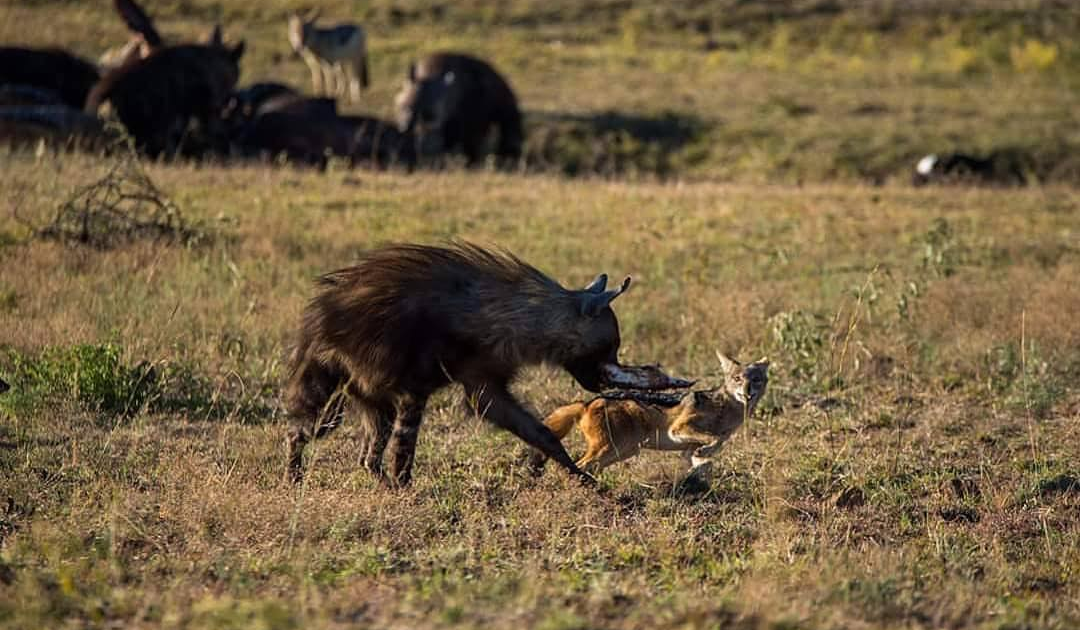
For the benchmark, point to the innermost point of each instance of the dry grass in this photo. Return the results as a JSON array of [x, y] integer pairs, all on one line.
[[915, 462], [938, 494]]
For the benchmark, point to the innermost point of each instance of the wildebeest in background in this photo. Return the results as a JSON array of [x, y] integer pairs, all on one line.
[[58, 125], [309, 131], [3, 386], [245, 103], [407, 320], [452, 101], [336, 55], [1001, 168], [157, 98], [59, 71], [144, 40]]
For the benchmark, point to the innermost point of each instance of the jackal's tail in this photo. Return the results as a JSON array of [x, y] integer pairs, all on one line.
[[558, 422], [564, 418]]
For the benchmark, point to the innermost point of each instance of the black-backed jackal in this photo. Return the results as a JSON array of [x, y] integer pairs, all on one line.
[[336, 55]]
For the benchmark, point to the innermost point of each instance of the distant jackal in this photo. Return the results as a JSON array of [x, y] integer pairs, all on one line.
[[336, 56], [616, 429]]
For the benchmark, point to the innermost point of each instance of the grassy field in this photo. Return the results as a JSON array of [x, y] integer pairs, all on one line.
[[785, 91], [916, 462]]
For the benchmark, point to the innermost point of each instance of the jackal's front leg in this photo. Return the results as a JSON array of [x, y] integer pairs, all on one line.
[[700, 459]]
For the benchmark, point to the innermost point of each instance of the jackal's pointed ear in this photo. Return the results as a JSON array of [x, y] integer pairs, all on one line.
[[598, 285], [726, 363], [763, 361], [592, 302], [412, 72], [215, 36]]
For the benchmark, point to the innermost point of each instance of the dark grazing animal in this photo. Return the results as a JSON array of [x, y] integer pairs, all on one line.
[[156, 98], [452, 101], [59, 126], [407, 320], [308, 131], [380, 142], [1000, 167], [246, 103], [3, 386], [70, 77]]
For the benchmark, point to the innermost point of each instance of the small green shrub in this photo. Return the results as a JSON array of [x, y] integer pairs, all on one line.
[[93, 376], [799, 339], [96, 378]]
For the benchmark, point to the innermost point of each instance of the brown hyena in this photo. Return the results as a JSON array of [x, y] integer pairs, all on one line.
[[157, 97], [452, 101], [407, 320]]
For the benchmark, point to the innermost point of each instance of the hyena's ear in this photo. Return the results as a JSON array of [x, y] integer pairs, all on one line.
[[598, 285], [237, 51], [412, 72], [726, 363], [592, 302]]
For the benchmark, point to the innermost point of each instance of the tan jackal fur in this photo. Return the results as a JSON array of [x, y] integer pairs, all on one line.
[[617, 429], [336, 55]]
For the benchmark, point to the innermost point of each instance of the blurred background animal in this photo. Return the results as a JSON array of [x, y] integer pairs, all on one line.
[[144, 40], [57, 74], [42, 92], [157, 98], [453, 101], [335, 55], [617, 427], [1004, 168], [382, 336], [271, 120]]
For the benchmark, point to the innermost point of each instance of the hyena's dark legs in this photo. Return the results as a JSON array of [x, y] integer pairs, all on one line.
[[410, 414], [494, 402], [378, 422], [316, 400]]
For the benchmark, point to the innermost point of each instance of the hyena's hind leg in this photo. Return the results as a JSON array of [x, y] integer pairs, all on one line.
[[316, 401]]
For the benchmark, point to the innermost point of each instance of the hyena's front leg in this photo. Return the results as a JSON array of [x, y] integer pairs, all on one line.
[[492, 401]]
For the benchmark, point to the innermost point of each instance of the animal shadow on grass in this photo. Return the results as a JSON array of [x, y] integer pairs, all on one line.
[[609, 143], [727, 488]]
